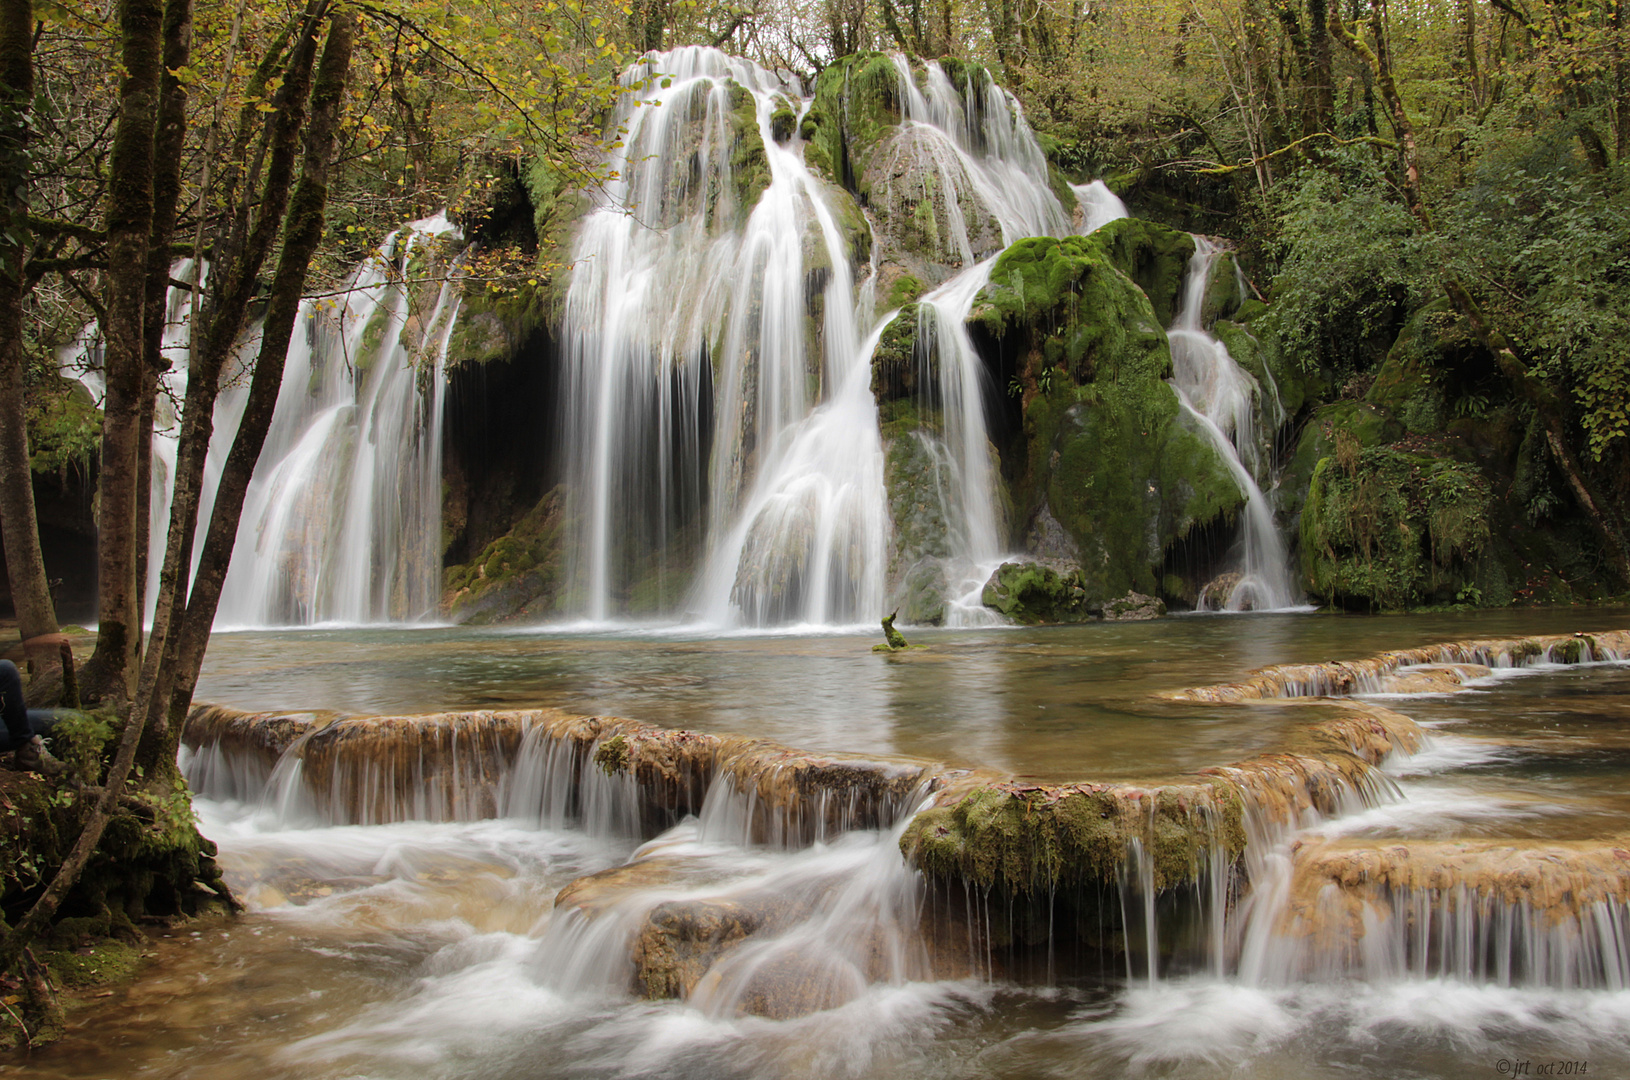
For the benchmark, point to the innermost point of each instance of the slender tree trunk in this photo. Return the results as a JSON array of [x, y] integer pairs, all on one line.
[[19, 528], [168, 143], [1322, 71], [226, 315], [300, 239], [1466, 15], [129, 224], [303, 232], [1621, 83]]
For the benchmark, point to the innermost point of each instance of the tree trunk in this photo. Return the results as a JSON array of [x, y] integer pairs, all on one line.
[[234, 281], [19, 528], [300, 239], [168, 144], [303, 232], [1322, 72], [129, 224]]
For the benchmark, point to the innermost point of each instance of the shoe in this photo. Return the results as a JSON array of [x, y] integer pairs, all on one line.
[[32, 756]]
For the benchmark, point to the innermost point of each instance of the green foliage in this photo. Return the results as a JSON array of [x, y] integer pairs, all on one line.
[[1391, 528], [1553, 238], [1352, 266], [64, 427], [83, 741]]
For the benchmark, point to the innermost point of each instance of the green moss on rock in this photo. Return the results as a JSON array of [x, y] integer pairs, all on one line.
[[896, 371], [1019, 839], [1406, 383], [1153, 255], [517, 575], [749, 161], [1111, 456], [857, 102], [1355, 424], [1389, 529], [1031, 593]]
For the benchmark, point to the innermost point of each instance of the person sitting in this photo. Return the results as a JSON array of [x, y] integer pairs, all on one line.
[[25, 726]]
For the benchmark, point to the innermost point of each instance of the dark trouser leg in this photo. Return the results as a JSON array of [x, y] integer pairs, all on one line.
[[12, 704]]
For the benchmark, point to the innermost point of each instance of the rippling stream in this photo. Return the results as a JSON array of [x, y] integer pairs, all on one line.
[[435, 950]]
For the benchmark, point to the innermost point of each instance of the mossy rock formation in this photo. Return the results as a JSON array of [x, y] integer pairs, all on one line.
[[1031, 593], [517, 576], [1109, 454], [1385, 528]]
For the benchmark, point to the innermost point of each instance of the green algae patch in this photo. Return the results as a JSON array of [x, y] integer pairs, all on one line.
[[612, 756], [1027, 839]]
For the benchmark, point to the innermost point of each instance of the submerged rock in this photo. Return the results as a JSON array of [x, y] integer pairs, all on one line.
[[1134, 607]]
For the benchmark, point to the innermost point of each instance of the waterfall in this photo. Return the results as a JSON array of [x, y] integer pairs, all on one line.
[[717, 403], [1224, 399], [715, 381], [982, 151], [1097, 206], [342, 520]]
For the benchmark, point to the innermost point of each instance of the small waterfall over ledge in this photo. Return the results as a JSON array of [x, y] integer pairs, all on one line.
[[1224, 400]]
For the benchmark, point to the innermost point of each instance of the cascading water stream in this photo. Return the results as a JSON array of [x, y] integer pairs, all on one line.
[[342, 521], [703, 397], [978, 145], [1224, 399]]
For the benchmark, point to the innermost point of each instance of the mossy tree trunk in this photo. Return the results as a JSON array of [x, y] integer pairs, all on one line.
[[129, 229], [25, 562]]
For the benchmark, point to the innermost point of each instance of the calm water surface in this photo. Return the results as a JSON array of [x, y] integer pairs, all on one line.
[[1052, 702]]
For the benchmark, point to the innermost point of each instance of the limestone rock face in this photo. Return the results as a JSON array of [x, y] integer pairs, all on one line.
[[519, 575]]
